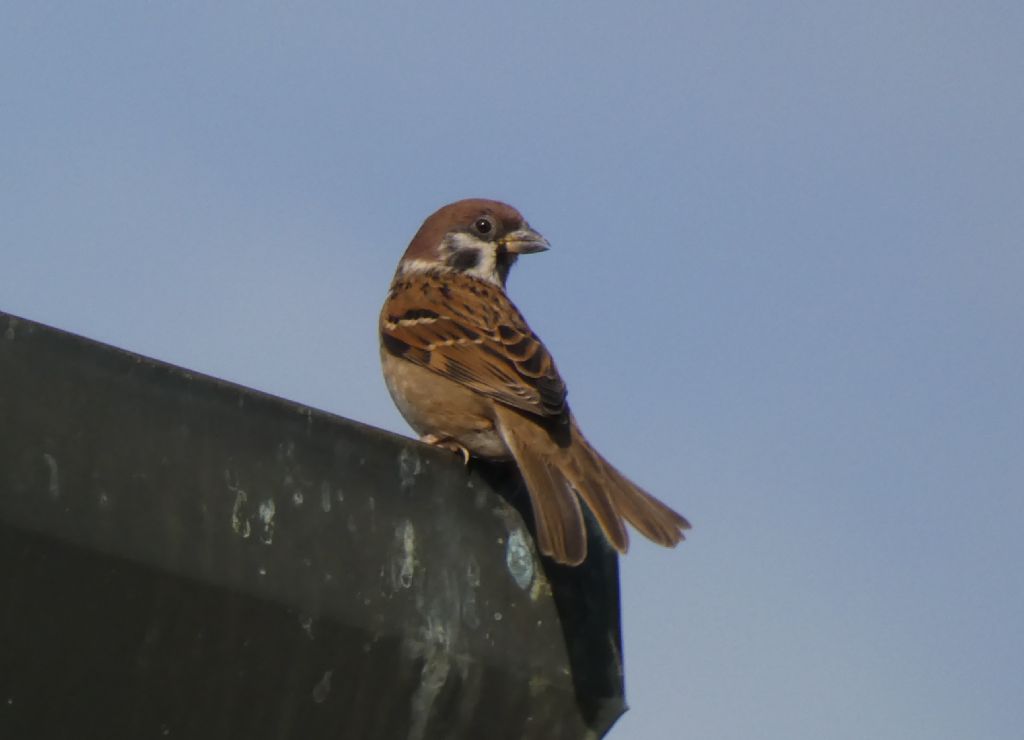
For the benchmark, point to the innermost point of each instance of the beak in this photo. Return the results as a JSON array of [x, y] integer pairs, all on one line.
[[525, 241]]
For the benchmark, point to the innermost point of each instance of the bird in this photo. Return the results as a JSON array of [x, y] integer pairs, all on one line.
[[468, 374]]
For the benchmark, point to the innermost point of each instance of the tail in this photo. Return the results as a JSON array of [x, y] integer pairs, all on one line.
[[557, 476]]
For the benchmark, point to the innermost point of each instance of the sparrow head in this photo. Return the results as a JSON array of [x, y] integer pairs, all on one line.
[[477, 237]]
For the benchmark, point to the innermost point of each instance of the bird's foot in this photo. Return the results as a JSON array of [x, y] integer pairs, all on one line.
[[447, 443]]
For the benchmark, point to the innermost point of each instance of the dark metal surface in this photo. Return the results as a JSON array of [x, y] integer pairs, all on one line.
[[183, 557]]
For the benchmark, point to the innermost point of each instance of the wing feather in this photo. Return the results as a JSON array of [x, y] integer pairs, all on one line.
[[469, 331]]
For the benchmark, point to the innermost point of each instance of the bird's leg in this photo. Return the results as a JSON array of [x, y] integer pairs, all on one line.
[[447, 443]]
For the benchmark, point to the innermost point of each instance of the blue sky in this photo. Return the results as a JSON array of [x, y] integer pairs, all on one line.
[[784, 289]]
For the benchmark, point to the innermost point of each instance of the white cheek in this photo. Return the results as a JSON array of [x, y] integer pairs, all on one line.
[[408, 267], [487, 267]]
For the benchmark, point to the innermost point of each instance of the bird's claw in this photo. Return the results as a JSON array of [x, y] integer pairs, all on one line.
[[447, 443]]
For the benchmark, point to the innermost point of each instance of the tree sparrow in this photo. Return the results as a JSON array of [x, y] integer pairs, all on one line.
[[468, 374]]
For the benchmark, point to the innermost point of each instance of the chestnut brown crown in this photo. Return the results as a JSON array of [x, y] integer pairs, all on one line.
[[476, 236]]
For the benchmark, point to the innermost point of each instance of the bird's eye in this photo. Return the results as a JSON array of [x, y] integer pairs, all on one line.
[[484, 226]]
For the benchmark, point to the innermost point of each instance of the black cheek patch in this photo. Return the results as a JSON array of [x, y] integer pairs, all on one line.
[[464, 259]]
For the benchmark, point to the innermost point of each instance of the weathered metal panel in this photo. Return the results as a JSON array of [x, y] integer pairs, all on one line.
[[185, 557]]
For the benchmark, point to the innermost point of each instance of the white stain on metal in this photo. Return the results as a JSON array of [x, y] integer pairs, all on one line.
[[325, 497], [266, 514], [53, 485], [297, 498], [519, 559], [322, 688], [239, 516], [409, 467], [403, 566], [435, 649], [239, 522]]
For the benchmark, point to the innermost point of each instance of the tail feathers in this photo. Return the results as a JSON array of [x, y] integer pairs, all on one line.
[[653, 519], [557, 477], [561, 533], [578, 467]]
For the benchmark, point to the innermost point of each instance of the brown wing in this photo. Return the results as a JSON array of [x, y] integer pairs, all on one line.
[[467, 330]]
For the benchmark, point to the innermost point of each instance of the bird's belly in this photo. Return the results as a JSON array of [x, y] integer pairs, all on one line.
[[441, 407]]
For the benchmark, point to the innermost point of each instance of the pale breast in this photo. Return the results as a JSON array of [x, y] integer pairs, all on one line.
[[433, 404]]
